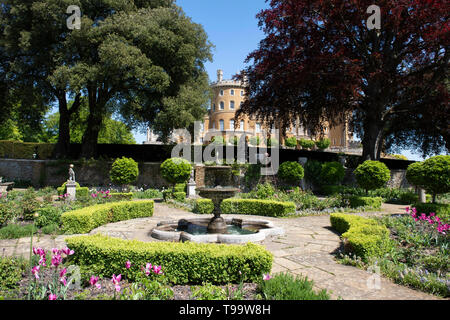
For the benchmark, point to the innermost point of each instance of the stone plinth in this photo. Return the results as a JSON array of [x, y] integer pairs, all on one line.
[[191, 186], [71, 190]]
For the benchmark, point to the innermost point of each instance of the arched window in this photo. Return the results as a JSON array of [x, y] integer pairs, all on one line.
[[222, 105], [221, 125], [232, 92], [231, 105]]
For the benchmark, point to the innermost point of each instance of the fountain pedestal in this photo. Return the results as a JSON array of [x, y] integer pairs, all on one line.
[[217, 195]]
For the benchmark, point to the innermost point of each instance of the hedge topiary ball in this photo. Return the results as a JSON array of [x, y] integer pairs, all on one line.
[[433, 175], [124, 171], [291, 172], [332, 173], [176, 170], [322, 144], [291, 142], [372, 175]]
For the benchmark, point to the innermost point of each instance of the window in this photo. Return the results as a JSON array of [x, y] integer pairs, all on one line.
[[232, 125], [232, 105], [221, 92], [232, 92], [242, 93], [221, 125], [258, 127], [214, 107], [214, 126], [222, 105], [241, 127], [240, 105], [202, 127]]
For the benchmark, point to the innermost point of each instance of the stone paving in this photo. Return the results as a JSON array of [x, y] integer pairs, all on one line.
[[306, 249]]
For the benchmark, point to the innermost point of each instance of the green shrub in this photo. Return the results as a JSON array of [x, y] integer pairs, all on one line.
[[233, 140], [176, 170], [257, 207], [124, 171], [29, 204], [182, 263], [86, 219], [179, 196], [48, 215], [307, 144], [180, 187], [63, 189], [167, 194], [364, 237], [81, 192], [284, 286], [262, 191], [120, 196], [203, 206], [291, 172], [433, 175], [313, 169], [372, 175], [291, 142], [322, 144], [330, 190], [11, 271], [372, 202], [218, 140], [148, 194], [272, 142], [16, 231], [332, 173], [6, 213]]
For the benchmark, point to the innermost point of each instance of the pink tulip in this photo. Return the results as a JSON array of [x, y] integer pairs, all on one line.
[[157, 269], [42, 261], [94, 282], [67, 251], [267, 277], [52, 296], [148, 267], [56, 260], [117, 279], [56, 251], [35, 271], [62, 272], [128, 264], [63, 281]]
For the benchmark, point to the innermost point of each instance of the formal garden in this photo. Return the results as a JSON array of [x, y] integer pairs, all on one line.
[[410, 249]]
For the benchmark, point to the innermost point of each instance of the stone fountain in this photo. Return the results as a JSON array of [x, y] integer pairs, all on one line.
[[218, 187]]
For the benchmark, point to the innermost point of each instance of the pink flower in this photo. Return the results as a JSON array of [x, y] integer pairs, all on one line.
[[42, 261], [116, 281], [148, 267], [414, 210], [56, 260], [52, 296], [157, 269], [67, 251], [128, 264], [39, 251], [407, 209], [63, 281], [94, 282], [267, 277], [35, 271], [56, 251]]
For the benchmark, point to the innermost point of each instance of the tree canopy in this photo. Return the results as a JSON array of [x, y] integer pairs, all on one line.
[[320, 62]]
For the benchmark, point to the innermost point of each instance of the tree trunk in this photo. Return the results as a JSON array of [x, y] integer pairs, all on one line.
[[89, 146], [62, 148], [373, 140], [63, 144]]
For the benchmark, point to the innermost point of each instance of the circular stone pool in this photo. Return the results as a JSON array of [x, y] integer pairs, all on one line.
[[196, 230]]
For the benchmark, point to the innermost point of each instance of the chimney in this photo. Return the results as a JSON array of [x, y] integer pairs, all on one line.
[[219, 75]]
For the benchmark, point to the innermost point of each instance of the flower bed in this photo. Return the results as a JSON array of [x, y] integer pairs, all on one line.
[[85, 219], [183, 262]]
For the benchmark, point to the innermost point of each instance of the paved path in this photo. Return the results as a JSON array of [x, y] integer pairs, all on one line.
[[306, 248]]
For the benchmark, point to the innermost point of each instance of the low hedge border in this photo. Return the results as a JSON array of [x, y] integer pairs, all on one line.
[[121, 196], [182, 263], [364, 237], [258, 207], [203, 206], [372, 202], [86, 219]]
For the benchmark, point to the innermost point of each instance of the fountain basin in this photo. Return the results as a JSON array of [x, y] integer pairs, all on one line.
[[196, 230]]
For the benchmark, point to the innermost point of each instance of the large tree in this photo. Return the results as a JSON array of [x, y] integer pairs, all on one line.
[[319, 61], [126, 52]]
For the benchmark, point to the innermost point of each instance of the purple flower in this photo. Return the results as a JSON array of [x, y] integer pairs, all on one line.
[[67, 251], [35, 271], [56, 260], [52, 296], [267, 277]]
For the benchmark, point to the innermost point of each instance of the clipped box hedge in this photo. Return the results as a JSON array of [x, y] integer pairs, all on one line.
[[364, 237], [182, 263], [372, 202], [257, 207], [25, 150], [203, 206], [119, 196], [86, 219]]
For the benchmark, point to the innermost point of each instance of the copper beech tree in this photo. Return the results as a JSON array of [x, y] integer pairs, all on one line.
[[322, 60]]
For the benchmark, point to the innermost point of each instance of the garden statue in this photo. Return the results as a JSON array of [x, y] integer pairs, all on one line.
[[71, 173], [191, 179]]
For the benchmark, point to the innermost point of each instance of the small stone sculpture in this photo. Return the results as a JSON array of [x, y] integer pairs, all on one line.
[[71, 173], [192, 179]]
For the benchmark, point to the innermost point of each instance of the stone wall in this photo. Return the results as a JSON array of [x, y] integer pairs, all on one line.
[[54, 173]]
